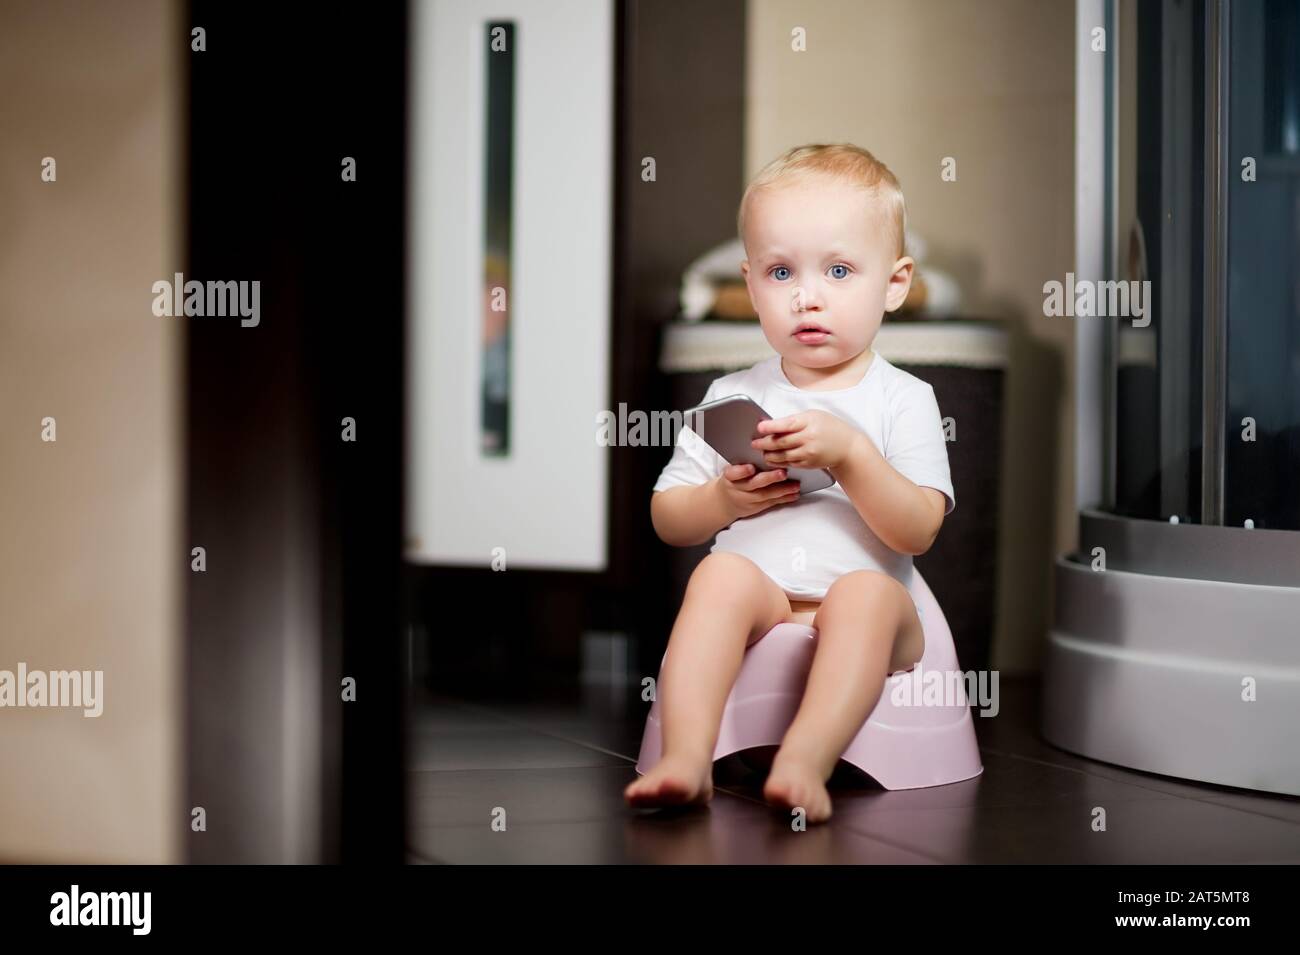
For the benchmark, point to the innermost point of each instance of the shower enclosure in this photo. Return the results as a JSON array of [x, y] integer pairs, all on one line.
[[1175, 645]]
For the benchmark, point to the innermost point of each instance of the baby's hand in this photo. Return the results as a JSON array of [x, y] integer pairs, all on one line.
[[747, 491], [809, 439]]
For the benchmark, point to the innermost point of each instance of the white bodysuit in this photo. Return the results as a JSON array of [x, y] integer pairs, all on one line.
[[804, 546]]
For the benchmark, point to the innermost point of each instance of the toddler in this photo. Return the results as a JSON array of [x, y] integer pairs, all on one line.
[[823, 230]]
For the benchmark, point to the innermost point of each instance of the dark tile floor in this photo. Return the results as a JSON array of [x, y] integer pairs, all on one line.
[[556, 772]]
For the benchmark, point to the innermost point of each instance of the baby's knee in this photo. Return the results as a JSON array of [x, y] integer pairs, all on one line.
[[867, 583], [726, 572]]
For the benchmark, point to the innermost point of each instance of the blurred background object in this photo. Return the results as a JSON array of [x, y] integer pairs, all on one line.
[[217, 157]]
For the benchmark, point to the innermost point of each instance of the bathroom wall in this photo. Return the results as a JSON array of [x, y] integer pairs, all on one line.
[[991, 84], [91, 555]]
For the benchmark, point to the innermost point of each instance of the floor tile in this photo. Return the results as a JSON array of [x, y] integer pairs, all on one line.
[[558, 770], [1172, 831], [528, 796], [506, 748], [729, 831], [1016, 731]]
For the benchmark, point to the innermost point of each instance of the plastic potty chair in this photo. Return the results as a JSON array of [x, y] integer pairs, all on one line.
[[927, 739]]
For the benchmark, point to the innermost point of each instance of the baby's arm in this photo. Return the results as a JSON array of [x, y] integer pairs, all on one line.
[[904, 515], [691, 514]]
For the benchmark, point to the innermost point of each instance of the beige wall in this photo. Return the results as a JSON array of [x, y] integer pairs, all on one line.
[[90, 556], [991, 84]]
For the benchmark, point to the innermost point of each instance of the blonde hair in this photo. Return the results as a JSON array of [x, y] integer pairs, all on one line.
[[842, 162]]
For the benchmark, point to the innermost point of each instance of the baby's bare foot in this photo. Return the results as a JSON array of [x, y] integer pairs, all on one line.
[[673, 781], [797, 783]]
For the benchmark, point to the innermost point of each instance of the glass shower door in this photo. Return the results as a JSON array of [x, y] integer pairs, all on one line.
[[1262, 427], [1159, 178], [1205, 184]]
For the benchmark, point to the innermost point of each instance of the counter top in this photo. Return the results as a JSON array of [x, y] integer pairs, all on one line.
[[724, 344]]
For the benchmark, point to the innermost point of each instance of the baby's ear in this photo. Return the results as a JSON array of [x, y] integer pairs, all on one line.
[[899, 283]]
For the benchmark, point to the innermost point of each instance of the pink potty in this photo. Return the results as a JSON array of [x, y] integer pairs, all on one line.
[[903, 745]]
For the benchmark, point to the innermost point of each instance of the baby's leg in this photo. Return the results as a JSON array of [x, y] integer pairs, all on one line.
[[729, 604], [867, 628]]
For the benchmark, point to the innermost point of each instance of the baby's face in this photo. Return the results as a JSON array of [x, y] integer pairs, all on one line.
[[818, 253]]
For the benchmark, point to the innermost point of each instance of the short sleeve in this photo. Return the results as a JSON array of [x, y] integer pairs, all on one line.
[[916, 446], [693, 462]]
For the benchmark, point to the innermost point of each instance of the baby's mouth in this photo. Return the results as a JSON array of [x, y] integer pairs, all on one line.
[[810, 333]]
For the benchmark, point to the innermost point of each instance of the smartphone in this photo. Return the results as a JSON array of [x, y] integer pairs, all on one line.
[[728, 425]]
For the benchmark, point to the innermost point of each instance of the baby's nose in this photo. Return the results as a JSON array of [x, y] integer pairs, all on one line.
[[803, 298]]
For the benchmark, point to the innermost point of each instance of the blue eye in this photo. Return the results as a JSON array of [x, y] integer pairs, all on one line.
[[846, 272], [780, 268]]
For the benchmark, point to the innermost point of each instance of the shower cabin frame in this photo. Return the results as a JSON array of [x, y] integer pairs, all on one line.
[[1175, 646]]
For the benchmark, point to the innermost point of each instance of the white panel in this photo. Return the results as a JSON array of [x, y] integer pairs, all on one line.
[[544, 503]]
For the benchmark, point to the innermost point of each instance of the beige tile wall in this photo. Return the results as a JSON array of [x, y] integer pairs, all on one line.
[[90, 554]]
